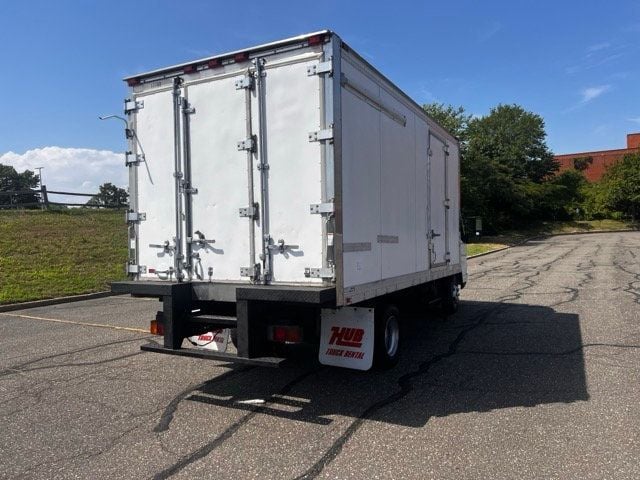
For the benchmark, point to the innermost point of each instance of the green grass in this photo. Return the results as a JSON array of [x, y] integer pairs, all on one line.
[[478, 248], [512, 237], [46, 254]]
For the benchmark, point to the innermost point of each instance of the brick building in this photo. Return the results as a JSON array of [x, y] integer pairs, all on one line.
[[600, 160]]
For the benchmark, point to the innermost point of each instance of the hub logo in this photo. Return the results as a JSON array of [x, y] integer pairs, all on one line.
[[346, 337]]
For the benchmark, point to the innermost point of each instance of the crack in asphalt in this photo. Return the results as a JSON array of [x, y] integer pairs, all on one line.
[[11, 369], [207, 448], [167, 416]]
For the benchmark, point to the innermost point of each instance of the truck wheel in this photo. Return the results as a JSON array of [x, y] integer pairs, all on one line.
[[386, 349], [451, 297]]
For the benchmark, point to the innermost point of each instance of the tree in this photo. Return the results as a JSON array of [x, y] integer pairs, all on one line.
[[11, 180], [454, 119], [109, 196], [515, 140], [621, 184]]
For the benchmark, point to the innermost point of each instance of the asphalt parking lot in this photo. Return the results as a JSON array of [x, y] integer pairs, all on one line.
[[537, 376]]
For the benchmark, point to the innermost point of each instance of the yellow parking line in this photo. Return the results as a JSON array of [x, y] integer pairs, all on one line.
[[71, 322]]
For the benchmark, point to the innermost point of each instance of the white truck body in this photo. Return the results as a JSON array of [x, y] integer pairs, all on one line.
[[292, 163]]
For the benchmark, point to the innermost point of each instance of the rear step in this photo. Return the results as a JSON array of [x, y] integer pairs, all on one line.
[[222, 321], [211, 355]]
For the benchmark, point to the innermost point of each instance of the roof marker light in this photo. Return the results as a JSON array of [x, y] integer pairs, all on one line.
[[315, 40]]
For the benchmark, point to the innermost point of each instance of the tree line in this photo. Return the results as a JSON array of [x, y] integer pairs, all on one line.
[[509, 176], [28, 182]]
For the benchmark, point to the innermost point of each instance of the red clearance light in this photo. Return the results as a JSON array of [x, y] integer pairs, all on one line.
[[214, 63], [285, 334], [241, 57], [315, 40], [132, 82], [156, 327], [189, 69]]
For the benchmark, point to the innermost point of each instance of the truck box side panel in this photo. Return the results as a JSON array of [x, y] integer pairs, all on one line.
[[156, 190], [219, 172], [292, 101], [360, 181], [397, 190]]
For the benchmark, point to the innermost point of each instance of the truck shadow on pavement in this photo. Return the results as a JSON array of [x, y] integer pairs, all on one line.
[[488, 356]]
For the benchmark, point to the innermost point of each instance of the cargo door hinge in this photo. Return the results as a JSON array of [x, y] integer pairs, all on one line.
[[447, 203], [131, 159], [135, 217], [131, 105], [185, 106], [247, 144], [321, 208], [321, 135], [135, 269], [250, 212], [251, 272], [319, 68], [244, 82], [319, 272]]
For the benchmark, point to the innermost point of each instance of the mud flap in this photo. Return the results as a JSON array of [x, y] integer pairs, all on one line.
[[216, 340], [347, 337]]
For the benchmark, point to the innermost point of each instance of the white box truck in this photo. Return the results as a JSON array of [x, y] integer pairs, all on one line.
[[292, 195]]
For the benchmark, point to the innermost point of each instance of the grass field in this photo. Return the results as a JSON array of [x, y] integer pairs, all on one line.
[[45, 254], [55, 253]]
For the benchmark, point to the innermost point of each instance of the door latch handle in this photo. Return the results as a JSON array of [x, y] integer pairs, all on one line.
[[166, 247], [434, 234], [201, 240], [282, 247]]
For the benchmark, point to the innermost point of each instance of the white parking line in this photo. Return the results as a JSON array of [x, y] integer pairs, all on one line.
[[71, 322]]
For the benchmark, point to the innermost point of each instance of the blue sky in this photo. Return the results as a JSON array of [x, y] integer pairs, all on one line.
[[576, 63]]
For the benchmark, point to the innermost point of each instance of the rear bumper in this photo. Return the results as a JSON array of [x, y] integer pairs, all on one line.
[[210, 355], [181, 301]]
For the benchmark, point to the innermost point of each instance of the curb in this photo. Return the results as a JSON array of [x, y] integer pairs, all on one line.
[[542, 236], [54, 301]]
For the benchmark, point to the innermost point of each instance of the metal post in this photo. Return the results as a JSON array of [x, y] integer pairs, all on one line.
[[187, 188], [250, 153], [178, 258], [264, 171]]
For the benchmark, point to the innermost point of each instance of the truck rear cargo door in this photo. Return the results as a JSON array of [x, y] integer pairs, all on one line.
[[154, 126], [291, 170], [220, 239]]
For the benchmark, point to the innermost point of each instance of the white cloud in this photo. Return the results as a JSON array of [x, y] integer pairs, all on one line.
[[634, 120], [489, 31], [591, 93], [598, 46], [71, 169]]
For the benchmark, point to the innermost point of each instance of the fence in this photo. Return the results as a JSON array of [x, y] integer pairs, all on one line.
[[24, 199]]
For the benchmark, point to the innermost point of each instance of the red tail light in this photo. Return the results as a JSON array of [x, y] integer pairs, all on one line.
[[156, 327], [285, 334]]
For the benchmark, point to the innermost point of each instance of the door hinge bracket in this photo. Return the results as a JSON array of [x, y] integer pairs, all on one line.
[[186, 107], [321, 208], [131, 159], [131, 105], [319, 272], [263, 166], [247, 144], [136, 269], [321, 135], [447, 203], [244, 82], [135, 217], [318, 68], [250, 212], [251, 272]]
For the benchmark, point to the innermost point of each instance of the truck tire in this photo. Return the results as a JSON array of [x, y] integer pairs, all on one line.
[[450, 296], [386, 347]]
